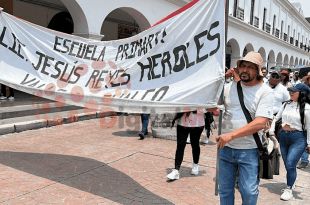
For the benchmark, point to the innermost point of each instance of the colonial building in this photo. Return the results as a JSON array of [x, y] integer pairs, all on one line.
[[275, 28]]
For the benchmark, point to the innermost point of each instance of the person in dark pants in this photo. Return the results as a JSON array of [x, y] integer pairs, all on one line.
[[145, 123], [208, 122], [4, 93], [192, 124]]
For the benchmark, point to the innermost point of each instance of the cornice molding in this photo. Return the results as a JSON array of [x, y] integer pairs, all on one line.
[[232, 21], [294, 12]]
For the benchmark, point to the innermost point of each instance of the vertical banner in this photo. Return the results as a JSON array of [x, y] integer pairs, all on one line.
[[176, 64]]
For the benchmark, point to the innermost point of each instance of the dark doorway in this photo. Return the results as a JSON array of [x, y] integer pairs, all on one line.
[[62, 22]]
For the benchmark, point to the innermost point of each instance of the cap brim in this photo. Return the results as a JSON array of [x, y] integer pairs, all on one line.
[[292, 89]]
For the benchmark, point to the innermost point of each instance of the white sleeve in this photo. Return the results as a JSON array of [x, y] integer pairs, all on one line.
[[265, 105], [286, 95], [277, 117]]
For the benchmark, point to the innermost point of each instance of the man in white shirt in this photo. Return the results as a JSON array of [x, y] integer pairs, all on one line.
[[264, 71], [280, 92], [238, 150]]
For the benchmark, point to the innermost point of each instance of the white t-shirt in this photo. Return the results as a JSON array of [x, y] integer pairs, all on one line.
[[280, 94], [258, 100]]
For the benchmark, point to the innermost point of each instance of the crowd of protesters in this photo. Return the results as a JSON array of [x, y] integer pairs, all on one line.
[[251, 91]]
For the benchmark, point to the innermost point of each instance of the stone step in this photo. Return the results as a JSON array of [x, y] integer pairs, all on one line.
[[19, 124], [15, 111]]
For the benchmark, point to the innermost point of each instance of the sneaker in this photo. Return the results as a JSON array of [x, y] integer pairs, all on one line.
[[174, 175], [141, 135], [206, 141], [195, 169], [11, 98], [287, 194], [188, 141], [2, 98], [302, 165]]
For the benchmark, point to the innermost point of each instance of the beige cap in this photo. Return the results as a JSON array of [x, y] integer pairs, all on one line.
[[253, 57]]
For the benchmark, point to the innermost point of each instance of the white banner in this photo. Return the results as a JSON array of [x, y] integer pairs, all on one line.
[[176, 65]]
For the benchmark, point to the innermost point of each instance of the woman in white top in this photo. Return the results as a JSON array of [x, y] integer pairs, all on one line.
[[192, 124], [293, 138]]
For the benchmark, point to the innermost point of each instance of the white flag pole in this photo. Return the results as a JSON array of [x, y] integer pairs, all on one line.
[[221, 102]]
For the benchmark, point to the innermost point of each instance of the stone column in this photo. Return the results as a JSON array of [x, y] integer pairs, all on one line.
[[161, 126], [271, 64], [234, 60]]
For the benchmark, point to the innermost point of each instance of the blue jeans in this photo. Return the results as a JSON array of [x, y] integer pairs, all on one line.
[[145, 123], [292, 145], [305, 157], [246, 162]]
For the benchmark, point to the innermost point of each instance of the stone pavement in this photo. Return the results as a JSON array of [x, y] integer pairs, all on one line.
[[101, 161]]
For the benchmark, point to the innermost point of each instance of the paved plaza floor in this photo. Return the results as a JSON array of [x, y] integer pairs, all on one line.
[[101, 161]]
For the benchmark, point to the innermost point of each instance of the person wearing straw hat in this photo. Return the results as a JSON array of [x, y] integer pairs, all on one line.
[[238, 151]]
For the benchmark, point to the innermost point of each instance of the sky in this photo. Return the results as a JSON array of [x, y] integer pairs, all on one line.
[[305, 4]]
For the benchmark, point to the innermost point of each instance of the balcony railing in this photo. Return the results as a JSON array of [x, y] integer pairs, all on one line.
[[256, 22], [267, 27], [284, 37], [277, 33], [240, 13]]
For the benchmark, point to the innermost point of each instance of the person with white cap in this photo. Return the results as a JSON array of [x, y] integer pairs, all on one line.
[[293, 137], [238, 150]]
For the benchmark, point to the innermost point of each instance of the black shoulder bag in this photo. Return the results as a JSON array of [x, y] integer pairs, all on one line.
[[262, 149]]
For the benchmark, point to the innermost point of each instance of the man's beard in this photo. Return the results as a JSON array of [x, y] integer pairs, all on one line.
[[245, 77]]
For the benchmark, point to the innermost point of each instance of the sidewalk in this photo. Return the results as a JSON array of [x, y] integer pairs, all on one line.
[[101, 161]]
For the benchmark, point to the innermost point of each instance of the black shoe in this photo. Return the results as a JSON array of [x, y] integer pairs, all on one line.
[[141, 135]]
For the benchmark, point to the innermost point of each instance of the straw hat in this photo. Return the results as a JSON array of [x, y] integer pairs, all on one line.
[[253, 57]]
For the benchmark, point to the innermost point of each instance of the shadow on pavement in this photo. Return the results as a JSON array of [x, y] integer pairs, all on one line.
[[186, 172], [84, 174], [277, 187], [127, 133]]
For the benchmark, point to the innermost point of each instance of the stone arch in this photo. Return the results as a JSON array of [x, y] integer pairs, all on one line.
[[263, 54], [78, 18], [271, 60], [279, 59], [304, 62], [123, 22], [300, 62], [249, 47], [232, 53], [285, 61], [296, 62], [292, 62], [62, 22]]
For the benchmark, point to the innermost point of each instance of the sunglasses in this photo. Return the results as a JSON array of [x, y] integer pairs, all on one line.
[[275, 76]]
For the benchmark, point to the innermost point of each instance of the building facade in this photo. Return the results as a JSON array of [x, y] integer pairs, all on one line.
[[275, 28]]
